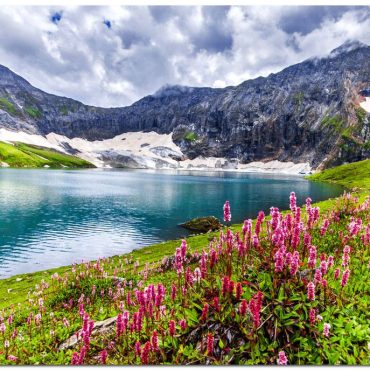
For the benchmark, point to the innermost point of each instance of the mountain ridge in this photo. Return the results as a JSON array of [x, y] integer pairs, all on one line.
[[306, 112]]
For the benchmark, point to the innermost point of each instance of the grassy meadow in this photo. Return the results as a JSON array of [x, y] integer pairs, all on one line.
[[290, 287]]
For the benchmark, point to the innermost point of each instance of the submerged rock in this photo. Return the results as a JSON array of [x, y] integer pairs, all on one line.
[[202, 224]]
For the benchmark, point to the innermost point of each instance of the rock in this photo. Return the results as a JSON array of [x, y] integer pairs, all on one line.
[[202, 224], [100, 327], [165, 152], [4, 164]]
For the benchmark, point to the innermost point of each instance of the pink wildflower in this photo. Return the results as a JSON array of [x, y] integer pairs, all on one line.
[[205, 312], [336, 273], [239, 290], [75, 358], [326, 330], [225, 285], [282, 360], [183, 249], [293, 201], [145, 353], [216, 304], [119, 325], [182, 324], [279, 261], [137, 348], [260, 219], [318, 276], [307, 240], [210, 344], [12, 358], [345, 277], [324, 267], [312, 257], [247, 228], [103, 356], [345, 257], [227, 212], [294, 266], [255, 306], [308, 203], [171, 328], [311, 291], [330, 261], [154, 341], [312, 315], [324, 226], [243, 307]]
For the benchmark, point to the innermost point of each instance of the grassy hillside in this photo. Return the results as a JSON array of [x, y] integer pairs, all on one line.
[[22, 155], [298, 292], [351, 175]]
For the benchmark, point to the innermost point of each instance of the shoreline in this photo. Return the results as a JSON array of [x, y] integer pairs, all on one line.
[[250, 168], [161, 246], [16, 288]]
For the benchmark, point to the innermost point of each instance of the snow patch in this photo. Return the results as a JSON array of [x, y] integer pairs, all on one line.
[[148, 150], [366, 104]]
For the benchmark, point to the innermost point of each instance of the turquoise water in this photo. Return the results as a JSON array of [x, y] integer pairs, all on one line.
[[50, 218]]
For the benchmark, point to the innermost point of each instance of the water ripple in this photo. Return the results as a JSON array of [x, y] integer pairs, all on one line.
[[52, 218]]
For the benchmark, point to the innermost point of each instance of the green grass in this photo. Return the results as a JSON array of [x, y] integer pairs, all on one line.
[[335, 123], [361, 115], [22, 155], [284, 318], [8, 106], [351, 175], [33, 112], [191, 136]]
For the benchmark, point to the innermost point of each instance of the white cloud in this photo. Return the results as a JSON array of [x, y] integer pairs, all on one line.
[[147, 47]]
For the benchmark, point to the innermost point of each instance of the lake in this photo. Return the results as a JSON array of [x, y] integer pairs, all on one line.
[[50, 218]]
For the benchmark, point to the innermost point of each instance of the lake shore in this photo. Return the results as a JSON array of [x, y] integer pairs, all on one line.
[[15, 289]]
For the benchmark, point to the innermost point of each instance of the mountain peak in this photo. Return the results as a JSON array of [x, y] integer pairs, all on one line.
[[172, 90], [348, 46]]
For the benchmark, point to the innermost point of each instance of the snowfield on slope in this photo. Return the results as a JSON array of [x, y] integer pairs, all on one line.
[[148, 150]]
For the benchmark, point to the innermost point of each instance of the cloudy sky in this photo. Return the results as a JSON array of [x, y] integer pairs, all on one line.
[[113, 56]]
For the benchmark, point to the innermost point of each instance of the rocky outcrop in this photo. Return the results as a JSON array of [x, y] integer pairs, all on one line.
[[308, 112]]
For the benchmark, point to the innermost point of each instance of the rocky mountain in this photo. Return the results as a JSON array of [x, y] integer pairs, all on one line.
[[308, 112]]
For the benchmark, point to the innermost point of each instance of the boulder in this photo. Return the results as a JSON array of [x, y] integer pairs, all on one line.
[[202, 224]]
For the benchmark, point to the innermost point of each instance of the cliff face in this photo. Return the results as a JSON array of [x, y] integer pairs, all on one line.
[[309, 112]]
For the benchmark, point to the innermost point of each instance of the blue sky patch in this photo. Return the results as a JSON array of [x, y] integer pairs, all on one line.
[[56, 17], [108, 23]]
